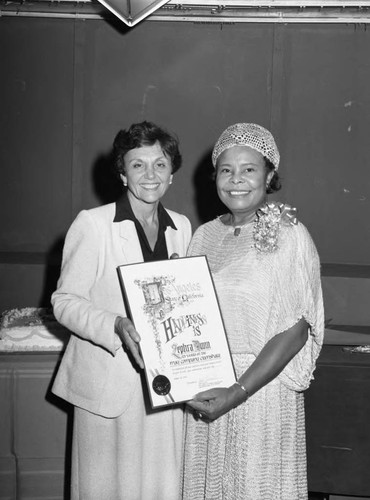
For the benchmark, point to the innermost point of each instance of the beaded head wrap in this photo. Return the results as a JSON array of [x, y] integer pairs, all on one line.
[[247, 134]]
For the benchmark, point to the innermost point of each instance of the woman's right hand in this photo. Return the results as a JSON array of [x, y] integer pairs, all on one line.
[[129, 337]]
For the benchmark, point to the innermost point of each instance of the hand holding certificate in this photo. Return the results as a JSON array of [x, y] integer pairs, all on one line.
[[174, 307]]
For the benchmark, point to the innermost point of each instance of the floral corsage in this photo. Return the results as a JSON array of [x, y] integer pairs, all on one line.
[[267, 225]]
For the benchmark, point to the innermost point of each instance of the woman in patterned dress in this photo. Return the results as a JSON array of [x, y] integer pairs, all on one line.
[[247, 441]]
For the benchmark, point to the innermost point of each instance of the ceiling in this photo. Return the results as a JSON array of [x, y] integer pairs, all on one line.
[[200, 11]]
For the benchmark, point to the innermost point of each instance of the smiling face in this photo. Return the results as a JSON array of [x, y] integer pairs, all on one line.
[[241, 179], [148, 173]]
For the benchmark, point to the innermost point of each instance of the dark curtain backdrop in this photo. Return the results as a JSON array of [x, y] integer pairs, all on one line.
[[67, 86]]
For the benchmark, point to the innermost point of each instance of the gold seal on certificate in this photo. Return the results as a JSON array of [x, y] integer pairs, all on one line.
[[174, 307]]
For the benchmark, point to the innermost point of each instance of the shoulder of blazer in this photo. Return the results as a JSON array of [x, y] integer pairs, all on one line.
[[103, 219], [103, 216], [105, 213], [178, 219]]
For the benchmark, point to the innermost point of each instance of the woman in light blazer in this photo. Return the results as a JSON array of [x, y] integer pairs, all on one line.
[[122, 450]]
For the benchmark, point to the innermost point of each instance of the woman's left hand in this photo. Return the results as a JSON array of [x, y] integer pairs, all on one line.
[[213, 403]]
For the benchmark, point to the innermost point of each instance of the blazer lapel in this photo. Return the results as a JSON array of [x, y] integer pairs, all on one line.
[[172, 242], [130, 243]]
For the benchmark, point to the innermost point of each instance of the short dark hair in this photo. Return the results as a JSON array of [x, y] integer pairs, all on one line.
[[275, 184], [145, 134]]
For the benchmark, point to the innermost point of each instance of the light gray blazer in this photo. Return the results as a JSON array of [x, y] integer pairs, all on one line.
[[96, 373]]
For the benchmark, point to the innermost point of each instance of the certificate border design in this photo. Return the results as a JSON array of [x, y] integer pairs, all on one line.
[[146, 295]]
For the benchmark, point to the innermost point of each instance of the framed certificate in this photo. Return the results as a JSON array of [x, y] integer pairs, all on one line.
[[174, 308]]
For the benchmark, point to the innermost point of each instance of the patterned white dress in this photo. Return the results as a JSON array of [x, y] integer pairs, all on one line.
[[257, 451]]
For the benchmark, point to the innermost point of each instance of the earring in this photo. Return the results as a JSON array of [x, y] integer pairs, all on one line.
[[125, 184]]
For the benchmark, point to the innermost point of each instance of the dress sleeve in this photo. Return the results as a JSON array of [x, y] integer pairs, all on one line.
[[71, 301], [298, 294]]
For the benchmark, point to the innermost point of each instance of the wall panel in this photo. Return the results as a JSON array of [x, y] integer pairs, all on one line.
[[35, 436], [36, 109], [325, 124], [7, 458]]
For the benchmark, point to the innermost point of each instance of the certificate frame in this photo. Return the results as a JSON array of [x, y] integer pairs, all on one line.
[[174, 307]]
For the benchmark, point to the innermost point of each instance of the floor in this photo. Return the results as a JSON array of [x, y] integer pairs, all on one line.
[[320, 496]]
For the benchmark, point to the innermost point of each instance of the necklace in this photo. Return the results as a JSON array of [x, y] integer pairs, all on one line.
[[238, 228]]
